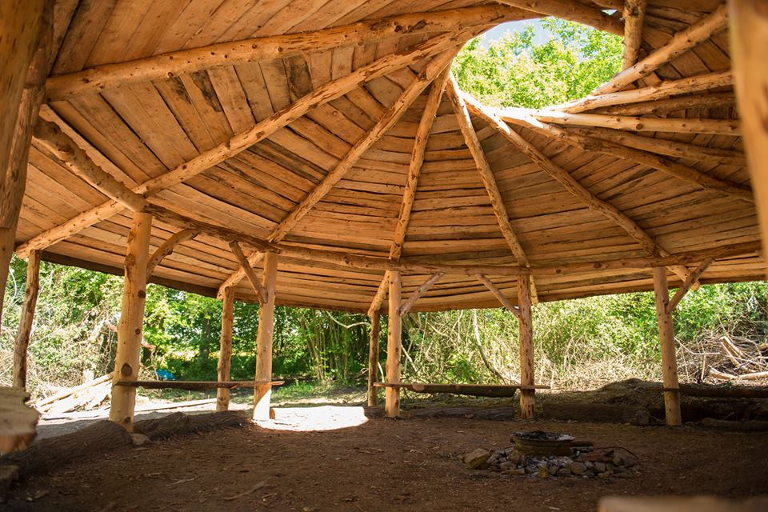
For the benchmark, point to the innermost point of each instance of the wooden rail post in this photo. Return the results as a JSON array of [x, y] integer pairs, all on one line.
[[129, 330], [25, 323], [262, 390], [373, 357], [525, 324], [749, 37], [667, 337], [225, 347], [392, 403], [25, 47]]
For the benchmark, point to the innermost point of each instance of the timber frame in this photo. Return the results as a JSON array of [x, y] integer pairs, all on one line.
[[328, 159]]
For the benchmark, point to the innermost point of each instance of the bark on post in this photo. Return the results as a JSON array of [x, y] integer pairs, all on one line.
[[25, 324], [262, 390], [225, 350], [392, 403], [749, 37], [129, 331], [668, 359], [27, 36], [373, 358], [525, 323]]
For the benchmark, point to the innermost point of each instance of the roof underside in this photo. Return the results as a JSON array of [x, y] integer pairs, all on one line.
[[148, 128]]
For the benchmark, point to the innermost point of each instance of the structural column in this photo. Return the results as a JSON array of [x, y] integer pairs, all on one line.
[[25, 323], [668, 358], [225, 346], [394, 347], [525, 324], [373, 357], [262, 389], [129, 331], [25, 46]]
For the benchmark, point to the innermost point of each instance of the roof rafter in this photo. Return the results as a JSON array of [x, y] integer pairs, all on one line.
[[99, 78], [421, 290], [572, 11], [390, 117], [634, 17], [258, 132], [679, 44], [486, 174]]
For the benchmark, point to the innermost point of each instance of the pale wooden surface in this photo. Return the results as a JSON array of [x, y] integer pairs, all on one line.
[[18, 422], [681, 504]]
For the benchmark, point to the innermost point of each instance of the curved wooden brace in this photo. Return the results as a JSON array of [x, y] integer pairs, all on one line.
[[166, 249]]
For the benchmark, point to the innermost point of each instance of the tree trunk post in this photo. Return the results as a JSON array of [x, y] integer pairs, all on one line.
[[373, 358], [25, 46], [262, 390], [668, 359], [129, 330], [225, 346], [748, 20], [394, 347], [525, 325], [25, 323]]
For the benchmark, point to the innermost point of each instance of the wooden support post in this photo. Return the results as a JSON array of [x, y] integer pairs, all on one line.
[[25, 46], [225, 347], [749, 37], [667, 336], [373, 357], [129, 331], [25, 323], [525, 323], [392, 404], [634, 16], [262, 391]]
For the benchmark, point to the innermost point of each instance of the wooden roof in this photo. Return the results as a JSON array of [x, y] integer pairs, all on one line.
[[307, 142]]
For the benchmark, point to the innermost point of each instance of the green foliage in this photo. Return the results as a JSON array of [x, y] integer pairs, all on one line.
[[515, 71]]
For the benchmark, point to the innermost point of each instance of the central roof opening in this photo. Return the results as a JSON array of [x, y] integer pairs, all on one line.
[[537, 63]]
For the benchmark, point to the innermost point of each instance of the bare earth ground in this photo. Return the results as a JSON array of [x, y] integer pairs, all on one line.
[[387, 465]]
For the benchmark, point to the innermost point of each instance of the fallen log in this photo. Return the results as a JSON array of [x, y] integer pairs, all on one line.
[[596, 412], [738, 426]]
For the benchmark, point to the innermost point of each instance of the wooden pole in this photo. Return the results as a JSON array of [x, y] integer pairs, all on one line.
[[373, 357], [262, 391], [25, 323], [749, 37], [525, 323], [394, 347], [667, 336], [26, 37], [634, 16], [225, 347], [129, 331]]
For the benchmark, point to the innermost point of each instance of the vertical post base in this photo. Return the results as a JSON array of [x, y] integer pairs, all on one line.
[[672, 408], [527, 403], [392, 402], [262, 400]]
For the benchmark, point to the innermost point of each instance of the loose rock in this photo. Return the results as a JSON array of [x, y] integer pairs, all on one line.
[[477, 459]]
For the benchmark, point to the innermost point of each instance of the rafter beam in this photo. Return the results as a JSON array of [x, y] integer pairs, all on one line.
[[654, 161], [415, 164], [245, 265], [168, 246], [100, 78], [390, 117], [664, 106], [260, 131], [688, 284], [486, 175], [417, 294], [50, 137], [634, 17], [381, 294], [679, 44], [665, 89], [572, 11], [640, 124], [570, 183], [500, 296]]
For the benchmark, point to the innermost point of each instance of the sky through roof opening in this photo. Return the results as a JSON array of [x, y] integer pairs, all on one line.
[[537, 63]]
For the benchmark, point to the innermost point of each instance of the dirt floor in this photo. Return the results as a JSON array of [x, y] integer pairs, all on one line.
[[384, 464]]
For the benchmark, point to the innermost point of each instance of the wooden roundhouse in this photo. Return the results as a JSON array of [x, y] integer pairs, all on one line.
[[318, 153]]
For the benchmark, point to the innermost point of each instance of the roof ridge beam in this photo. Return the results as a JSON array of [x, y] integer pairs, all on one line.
[[679, 44], [390, 117], [572, 11], [99, 78], [258, 132]]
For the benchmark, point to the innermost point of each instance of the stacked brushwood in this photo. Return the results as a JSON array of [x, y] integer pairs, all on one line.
[[86, 396], [740, 359]]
